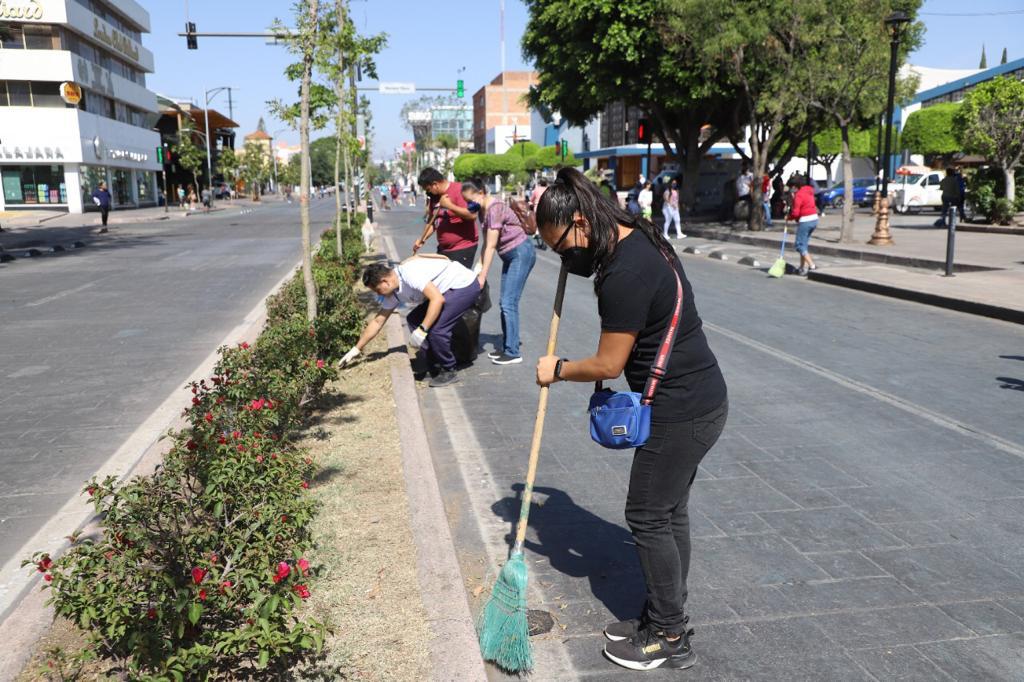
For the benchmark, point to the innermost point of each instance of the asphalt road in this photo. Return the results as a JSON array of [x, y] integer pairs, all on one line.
[[862, 516], [93, 340]]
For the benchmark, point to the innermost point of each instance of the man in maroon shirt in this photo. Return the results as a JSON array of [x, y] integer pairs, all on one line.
[[448, 216]]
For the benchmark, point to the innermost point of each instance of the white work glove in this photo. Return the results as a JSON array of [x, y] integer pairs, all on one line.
[[419, 335], [349, 356]]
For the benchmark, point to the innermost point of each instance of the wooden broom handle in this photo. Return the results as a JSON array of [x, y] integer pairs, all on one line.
[[538, 425]]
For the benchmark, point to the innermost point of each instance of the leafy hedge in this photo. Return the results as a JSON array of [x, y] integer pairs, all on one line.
[[200, 568]]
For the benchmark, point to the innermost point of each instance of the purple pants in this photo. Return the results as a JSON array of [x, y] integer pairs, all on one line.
[[439, 340]]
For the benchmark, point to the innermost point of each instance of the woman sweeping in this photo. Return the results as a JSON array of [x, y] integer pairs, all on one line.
[[637, 288], [506, 237]]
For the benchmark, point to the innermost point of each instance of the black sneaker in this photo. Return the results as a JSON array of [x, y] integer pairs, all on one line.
[[624, 629], [648, 649], [446, 377], [495, 354], [507, 360]]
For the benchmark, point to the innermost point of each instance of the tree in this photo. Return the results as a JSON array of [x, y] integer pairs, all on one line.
[[588, 54], [990, 122], [551, 157], [446, 142], [189, 155], [524, 149], [322, 154], [826, 147], [254, 168], [929, 131], [288, 174], [464, 167], [983, 64], [1003, 59], [227, 165], [847, 78]]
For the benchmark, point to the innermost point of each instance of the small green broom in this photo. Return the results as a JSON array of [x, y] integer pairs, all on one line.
[[504, 631], [778, 268]]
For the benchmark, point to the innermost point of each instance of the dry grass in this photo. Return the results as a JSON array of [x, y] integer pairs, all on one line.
[[367, 588]]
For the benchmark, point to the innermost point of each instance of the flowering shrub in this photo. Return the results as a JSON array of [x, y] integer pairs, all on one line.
[[201, 567]]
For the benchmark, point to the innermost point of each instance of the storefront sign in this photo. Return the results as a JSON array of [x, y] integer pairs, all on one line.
[[115, 39], [70, 93], [127, 155], [24, 10], [29, 153]]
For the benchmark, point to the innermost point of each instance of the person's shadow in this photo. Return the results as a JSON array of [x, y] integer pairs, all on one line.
[[581, 544]]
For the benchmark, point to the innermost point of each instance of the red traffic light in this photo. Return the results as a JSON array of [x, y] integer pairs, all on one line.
[[643, 131]]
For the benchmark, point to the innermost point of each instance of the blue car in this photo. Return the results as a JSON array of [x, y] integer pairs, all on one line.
[[835, 196]]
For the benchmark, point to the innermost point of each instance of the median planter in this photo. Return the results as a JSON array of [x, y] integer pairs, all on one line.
[[201, 569]]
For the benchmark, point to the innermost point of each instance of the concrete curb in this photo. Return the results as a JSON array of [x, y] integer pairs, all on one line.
[[454, 651], [25, 615], [937, 300], [835, 251]]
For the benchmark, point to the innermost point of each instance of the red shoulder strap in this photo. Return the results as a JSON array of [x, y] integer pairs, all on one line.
[[660, 366]]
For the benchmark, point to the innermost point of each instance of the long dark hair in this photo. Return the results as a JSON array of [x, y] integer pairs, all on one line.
[[573, 193]]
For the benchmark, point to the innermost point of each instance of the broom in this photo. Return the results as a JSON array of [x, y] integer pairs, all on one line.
[[504, 631], [778, 268]]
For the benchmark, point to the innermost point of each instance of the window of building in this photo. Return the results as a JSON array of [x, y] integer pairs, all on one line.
[[121, 186], [34, 184], [14, 38], [90, 178], [19, 94], [144, 183], [42, 38]]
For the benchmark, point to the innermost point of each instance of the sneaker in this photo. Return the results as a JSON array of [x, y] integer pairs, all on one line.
[[495, 354], [681, 236], [648, 649], [624, 629], [507, 360], [802, 272], [446, 377]]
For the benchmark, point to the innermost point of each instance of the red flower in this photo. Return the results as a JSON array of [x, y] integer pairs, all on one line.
[[47, 577], [208, 417], [195, 401], [214, 558], [224, 586], [302, 591], [309, 460], [284, 518], [244, 345], [44, 563], [277, 579], [273, 455], [198, 574], [191, 445], [220, 400], [222, 440], [91, 490], [216, 381], [151, 613], [305, 485], [241, 448], [319, 364], [236, 434], [202, 595], [283, 569], [303, 565], [257, 434], [259, 459]]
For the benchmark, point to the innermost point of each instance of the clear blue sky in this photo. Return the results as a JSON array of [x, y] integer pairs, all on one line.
[[430, 41]]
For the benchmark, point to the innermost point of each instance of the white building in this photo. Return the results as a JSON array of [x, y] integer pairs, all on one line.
[[55, 149]]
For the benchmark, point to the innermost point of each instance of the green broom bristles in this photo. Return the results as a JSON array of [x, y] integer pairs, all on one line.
[[504, 631]]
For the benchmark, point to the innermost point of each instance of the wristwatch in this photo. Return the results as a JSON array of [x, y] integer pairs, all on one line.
[[558, 369]]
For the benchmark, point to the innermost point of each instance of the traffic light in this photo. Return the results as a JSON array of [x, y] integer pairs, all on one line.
[[460, 88], [643, 131], [190, 39], [160, 156], [565, 149]]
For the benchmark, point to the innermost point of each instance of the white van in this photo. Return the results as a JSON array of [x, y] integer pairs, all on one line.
[[916, 188]]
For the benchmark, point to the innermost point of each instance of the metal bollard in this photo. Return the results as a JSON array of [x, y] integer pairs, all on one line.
[[950, 240]]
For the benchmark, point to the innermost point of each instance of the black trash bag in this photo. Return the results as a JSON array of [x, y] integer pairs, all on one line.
[[466, 337], [483, 300]]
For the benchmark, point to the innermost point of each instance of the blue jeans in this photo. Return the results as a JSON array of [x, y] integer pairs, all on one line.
[[515, 268], [803, 235], [767, 213]]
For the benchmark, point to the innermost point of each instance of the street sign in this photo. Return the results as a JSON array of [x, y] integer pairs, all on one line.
[[395, 88]]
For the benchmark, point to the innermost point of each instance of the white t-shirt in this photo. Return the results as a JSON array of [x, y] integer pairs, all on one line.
[[645, 199], [743, 184], [416, 273]]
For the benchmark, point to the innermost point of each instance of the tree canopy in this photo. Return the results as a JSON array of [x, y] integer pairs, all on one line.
[[990, 122], [929, 131]]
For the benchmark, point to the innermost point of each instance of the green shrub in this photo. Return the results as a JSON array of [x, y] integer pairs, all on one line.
[[200, 568], [1002, 211]]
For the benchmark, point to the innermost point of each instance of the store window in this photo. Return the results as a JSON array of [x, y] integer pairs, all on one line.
[[13, 38], [121, 187], [42, 38], [90, 178], [26, 185], [19, 93], [144, 183]]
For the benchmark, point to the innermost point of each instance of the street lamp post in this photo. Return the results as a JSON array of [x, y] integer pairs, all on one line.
[[895, 23], [206, 117]]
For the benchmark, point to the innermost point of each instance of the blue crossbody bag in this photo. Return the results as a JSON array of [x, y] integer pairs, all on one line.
[[621, 420]]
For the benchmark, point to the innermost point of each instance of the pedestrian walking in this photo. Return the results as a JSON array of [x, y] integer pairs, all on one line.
[[633, 196], [805, 212], [191, 199], [638, 277], [950, 188], [448, 215], [181, 197], [441, 289], [101, 197], [766, 193], [670, 210], [206, 199], [537, 193], [394, 194], [744, 185], [506, 236], [646, 201], [779, 197], [962, 184]]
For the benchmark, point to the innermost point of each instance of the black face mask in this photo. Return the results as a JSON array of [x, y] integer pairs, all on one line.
[[578, 260]]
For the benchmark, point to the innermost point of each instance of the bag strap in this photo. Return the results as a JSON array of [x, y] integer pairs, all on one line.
[[660, 366]]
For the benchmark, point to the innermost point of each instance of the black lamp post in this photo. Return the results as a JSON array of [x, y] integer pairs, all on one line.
[[895, 23]]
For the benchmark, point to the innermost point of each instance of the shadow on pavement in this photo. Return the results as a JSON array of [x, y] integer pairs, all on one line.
[[580, 544], [1010, 383]]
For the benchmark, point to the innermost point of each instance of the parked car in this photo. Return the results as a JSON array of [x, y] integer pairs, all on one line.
[[835, 195], [918, 188]]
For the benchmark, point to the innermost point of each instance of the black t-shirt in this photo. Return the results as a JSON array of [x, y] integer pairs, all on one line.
[[638, 294]]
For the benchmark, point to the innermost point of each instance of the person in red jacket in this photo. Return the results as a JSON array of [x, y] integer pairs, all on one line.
[[805, 212]]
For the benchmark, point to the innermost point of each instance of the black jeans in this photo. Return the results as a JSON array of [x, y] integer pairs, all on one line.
[[656, 509], [464, 256], [104, 212]]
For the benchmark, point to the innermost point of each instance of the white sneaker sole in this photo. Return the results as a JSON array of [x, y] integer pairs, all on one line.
[[517, 361], [647, 665], [613, 638]]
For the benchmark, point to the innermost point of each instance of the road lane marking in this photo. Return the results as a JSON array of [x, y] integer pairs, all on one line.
[[937, 418], [177, 255], [61, 294]]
